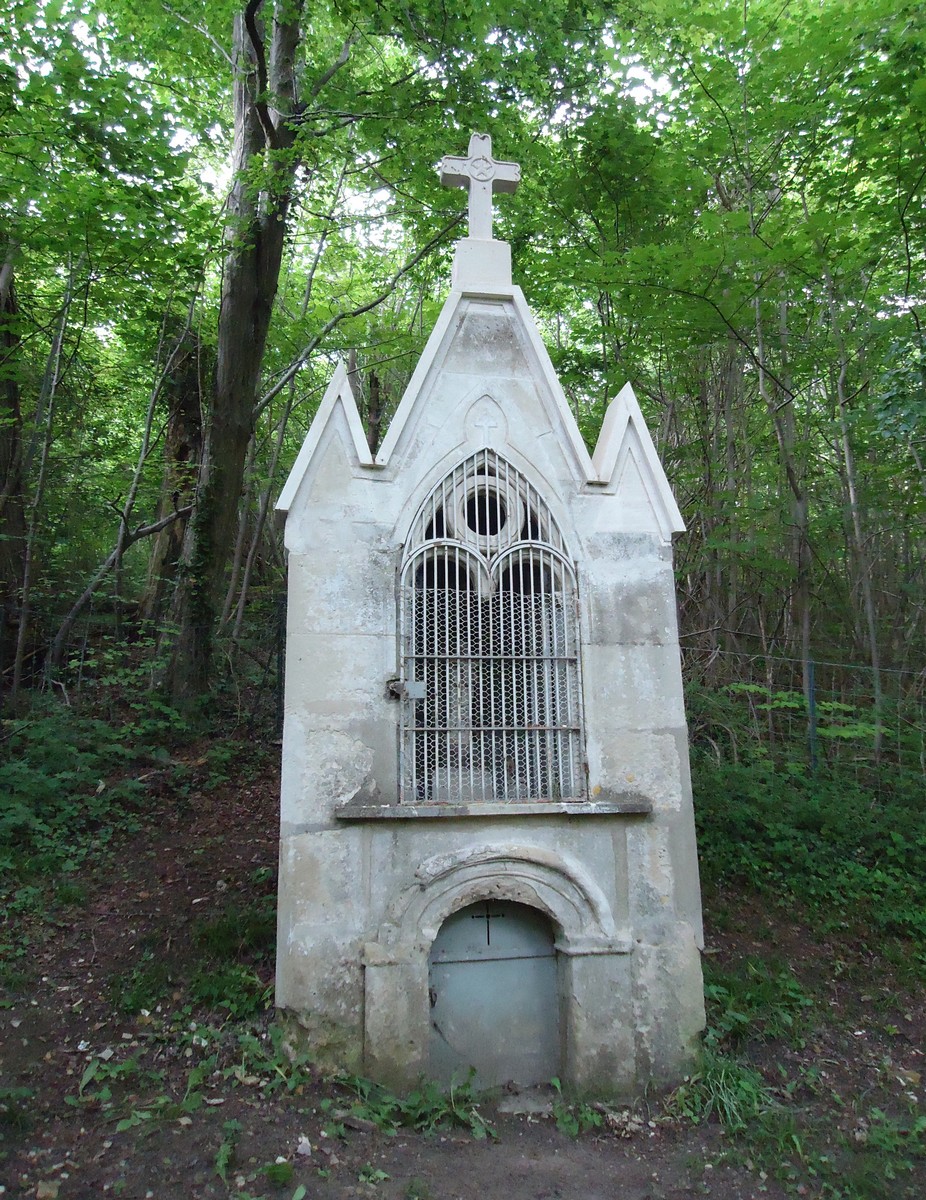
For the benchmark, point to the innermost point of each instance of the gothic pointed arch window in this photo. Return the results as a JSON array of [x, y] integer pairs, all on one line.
[[488, 636]]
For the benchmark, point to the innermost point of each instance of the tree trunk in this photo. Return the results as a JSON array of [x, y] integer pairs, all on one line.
[[46, 408], [255, 231], [182, 450], [12, 500]]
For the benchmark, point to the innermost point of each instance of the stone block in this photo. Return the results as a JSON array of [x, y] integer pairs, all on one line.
[[631, 687], [331, 675], [600, 1037], [642, 762], [486, 342], [319, 984], [344, 591], [631, 606], [668, 1008], [397, 1021], [321, 884]]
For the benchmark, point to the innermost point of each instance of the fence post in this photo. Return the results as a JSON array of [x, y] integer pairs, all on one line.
[[281, 659], [812, 713], [2, 652]]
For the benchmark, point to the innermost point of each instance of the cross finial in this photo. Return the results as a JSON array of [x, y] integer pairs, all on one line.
[[482, 175]]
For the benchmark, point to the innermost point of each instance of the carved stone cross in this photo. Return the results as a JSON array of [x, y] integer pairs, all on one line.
[[482, 175]]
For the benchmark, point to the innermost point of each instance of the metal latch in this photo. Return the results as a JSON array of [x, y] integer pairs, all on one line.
[[406, 689]]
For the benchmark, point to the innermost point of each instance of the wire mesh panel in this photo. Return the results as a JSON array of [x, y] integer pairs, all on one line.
[[489, 645]]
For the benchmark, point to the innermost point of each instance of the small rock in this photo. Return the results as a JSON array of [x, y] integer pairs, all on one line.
[[526, 1104]]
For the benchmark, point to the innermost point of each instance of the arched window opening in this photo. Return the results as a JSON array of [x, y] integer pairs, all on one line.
[[489, 645]]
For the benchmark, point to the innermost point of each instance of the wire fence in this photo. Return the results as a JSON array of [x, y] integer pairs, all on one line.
[[841, 712]]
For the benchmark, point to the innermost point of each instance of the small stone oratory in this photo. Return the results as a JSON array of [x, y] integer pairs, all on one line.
[[487, 851]]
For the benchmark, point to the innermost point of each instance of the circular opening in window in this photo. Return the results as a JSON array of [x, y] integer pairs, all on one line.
[[485, 512]]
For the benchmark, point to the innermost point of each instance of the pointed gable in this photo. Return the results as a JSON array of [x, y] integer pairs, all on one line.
[[628, 469], [486, 345], [337, 414]]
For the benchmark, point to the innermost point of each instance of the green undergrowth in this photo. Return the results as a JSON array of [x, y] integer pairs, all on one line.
[[131, 1087], [846, 841], [73, 783], [782, 1118], [224, 967], [758, 1001], [427, 1108], [65, 788]]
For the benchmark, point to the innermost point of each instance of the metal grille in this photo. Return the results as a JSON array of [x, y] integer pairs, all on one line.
[[489, 647]]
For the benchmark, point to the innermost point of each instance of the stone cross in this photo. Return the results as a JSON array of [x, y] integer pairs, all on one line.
[[486, 423], [482, 175]]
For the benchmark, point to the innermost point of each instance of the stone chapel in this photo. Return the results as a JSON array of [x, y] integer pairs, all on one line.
[[487, 846]]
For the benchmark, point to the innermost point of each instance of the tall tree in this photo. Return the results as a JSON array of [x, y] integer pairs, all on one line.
[[267, 104]]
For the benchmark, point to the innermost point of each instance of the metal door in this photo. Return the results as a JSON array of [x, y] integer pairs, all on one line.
[[494, 996]]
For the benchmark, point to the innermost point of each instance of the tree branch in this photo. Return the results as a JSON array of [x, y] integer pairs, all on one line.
[[325, 78], [200, 29], [129, 539], [302, 358], [260, 59]]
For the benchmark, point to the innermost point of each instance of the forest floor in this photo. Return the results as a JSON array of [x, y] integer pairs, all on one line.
[[123, 1075]]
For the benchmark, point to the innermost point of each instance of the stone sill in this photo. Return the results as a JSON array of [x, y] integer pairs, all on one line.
[[626, 806]]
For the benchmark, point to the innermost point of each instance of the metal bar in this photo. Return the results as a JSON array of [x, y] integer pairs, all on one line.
[[501, 719]]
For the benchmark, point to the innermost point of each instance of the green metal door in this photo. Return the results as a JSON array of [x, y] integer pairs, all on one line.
[[494, 996]]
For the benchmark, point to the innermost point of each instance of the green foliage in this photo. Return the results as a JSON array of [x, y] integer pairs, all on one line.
[[757, 1001], [15, 1107], [225, 1155], [237, 930], [270, 1061], [427, 1108], [370, 1174], [218, 982], [825, 838], [142, 988], [574, 1118], [725, 1088], [63, 788], [233, 987], [101, 1074], [279, 1173], [884, 1150]]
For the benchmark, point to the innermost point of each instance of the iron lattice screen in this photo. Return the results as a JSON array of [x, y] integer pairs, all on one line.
[[489, 646]]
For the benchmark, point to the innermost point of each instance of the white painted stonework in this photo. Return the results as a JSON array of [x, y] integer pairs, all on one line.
[[389, 823]]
